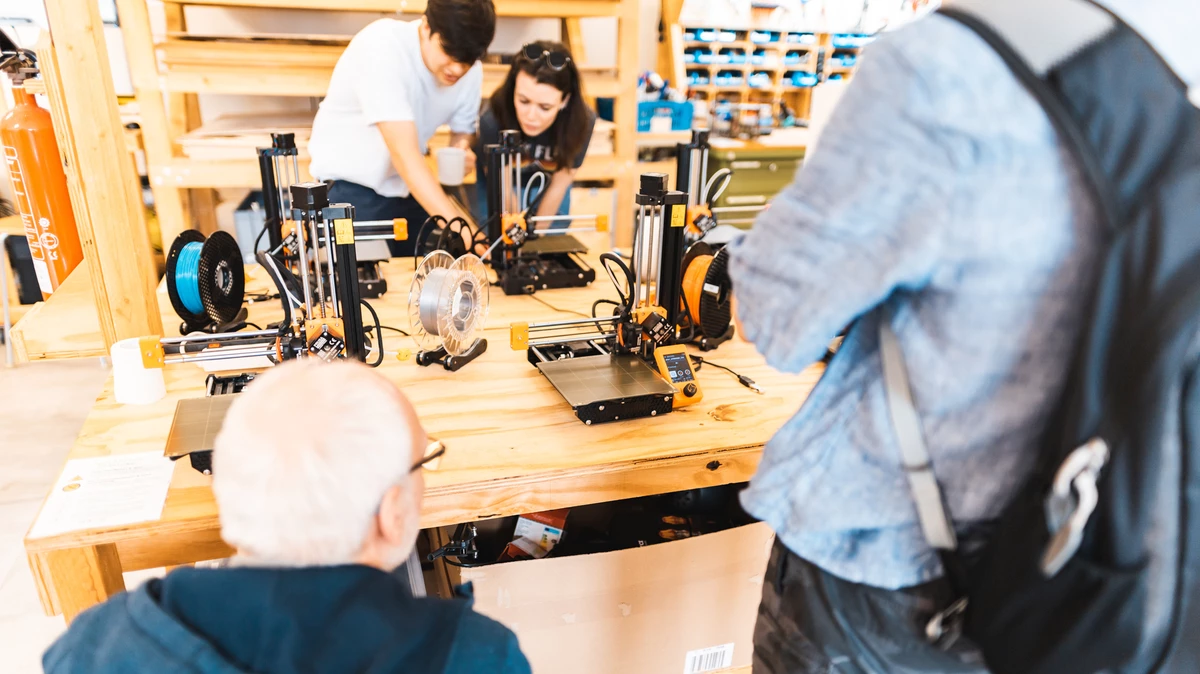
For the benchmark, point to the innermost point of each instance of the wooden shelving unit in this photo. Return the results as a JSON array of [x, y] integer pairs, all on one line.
[[702, 58], [170, 70]]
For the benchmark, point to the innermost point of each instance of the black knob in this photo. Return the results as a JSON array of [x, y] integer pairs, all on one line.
[[690, 390]]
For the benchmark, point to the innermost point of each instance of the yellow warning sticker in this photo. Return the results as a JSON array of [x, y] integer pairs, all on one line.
[[343, 229], [678, 213]]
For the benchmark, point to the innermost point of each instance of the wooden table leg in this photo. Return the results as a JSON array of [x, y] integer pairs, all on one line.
[[84, 577]]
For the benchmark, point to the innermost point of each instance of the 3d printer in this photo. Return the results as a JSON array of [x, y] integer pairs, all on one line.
[[601, 365], [528, 259]]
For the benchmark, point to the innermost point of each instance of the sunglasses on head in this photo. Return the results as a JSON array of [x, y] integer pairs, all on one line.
[[554, 60]]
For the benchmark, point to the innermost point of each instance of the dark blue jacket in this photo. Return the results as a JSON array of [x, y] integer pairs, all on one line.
[[320, 619]]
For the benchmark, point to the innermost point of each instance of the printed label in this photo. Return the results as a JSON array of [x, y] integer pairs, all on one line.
[[678, 214], [709, 659], [343, 229], [42, 244]]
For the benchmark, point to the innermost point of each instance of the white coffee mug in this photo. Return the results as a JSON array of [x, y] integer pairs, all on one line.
[[133, 383], [451, 165]]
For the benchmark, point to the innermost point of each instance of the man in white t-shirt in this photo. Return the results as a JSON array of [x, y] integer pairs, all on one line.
[[395, 84]]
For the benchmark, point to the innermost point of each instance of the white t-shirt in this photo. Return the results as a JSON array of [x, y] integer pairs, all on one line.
[[381, 78]]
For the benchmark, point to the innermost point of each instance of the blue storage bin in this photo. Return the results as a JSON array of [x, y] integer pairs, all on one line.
[[802, 38], [681, 114], [850, 40], [801, 79], [763, 37], [706, 35], [760, 80], [759, 57]]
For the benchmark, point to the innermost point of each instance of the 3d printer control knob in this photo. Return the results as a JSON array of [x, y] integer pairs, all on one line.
[[690, 390]]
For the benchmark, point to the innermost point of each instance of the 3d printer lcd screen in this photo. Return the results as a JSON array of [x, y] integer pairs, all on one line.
[[678, 367]]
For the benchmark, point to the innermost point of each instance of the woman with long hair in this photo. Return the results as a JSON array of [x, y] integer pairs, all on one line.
[[541, 98]]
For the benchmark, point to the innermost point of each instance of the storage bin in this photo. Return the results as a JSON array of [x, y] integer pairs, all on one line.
[[681, 114]]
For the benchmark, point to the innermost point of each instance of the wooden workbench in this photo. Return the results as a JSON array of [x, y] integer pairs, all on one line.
[[513, 445]]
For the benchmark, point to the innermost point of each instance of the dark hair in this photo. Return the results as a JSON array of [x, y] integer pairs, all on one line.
[[465, 27], [572, 123]]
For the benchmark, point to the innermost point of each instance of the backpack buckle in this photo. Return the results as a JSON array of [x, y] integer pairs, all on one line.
[[944, 628], [1072, 500]]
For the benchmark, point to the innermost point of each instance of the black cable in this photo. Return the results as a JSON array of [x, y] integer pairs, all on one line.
[[378, 333], [252, 325], [433, 219], [258, 239], [559, 309], [605, 259], [599, 302], [388, 327], [742, 379]]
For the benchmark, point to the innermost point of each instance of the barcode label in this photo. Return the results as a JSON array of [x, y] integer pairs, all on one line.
[[709, 659]]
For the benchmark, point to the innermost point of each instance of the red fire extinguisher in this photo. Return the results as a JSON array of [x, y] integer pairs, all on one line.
[[39, 183]]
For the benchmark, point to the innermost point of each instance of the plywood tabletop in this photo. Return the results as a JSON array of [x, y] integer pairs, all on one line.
[[513, 444]]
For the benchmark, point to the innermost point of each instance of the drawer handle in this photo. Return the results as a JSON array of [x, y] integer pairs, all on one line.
[[745, 164], [745, 201]]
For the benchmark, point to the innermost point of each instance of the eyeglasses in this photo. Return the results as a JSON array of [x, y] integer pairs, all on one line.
[[554, 60], [432, 458]]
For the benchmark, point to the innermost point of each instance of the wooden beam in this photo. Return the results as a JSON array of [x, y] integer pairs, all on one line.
[[113, 234], [625, 117], [86, 577], [526, 8], [157, 138], [573, 37]]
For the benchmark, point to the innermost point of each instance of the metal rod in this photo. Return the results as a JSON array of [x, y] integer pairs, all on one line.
[[317, 276], [547, 218], [639, 231], [704, 168], [539, 354], [695, 177], [218, 335], [600, 347], [570, 340], [283, 214], [217, 354], [302, 256], [738, 209], [574, 322], [330, 254]]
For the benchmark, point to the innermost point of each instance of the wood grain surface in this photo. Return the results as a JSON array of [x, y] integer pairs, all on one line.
[[513, 444]]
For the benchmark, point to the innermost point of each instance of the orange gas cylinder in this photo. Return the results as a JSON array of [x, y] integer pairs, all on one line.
[[31, 155]]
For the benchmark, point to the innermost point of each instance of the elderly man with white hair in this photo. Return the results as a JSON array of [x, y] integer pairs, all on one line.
[[318, 475]]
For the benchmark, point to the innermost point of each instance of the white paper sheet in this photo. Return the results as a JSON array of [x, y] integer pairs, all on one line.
[[106, 491]]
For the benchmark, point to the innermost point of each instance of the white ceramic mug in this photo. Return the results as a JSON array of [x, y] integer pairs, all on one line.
[[133, 383], [451, 165]]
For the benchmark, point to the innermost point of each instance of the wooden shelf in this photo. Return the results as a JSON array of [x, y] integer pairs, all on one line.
[[292, 69], [64, 326], [516, 8], [181, 65]]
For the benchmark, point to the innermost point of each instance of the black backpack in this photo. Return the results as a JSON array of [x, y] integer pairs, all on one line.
[[1094, 566]]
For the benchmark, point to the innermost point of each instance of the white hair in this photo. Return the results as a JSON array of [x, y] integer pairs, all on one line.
[[304, 458]]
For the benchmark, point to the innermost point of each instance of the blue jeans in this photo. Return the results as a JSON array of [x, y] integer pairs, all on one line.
[[479, 198], [369, 205]]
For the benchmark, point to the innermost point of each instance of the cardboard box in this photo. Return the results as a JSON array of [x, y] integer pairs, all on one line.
[[685, 606]]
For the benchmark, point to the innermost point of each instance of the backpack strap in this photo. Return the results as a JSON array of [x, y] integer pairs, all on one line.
[[914, 455], [1032, 37]]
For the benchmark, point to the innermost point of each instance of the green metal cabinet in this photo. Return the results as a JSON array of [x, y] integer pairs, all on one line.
[[758, 175]]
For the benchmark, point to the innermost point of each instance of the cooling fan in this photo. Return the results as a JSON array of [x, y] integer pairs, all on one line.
[[447, 307], [206, 282], [707, 289]]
